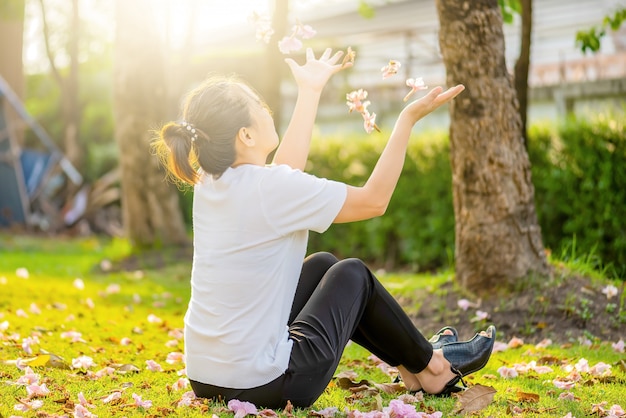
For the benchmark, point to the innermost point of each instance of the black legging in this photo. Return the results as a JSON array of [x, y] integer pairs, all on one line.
[[335, 301]]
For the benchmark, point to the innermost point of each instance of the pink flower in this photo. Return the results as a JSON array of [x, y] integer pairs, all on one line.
[[415, 84], [582, 366], [21, 313], [564, 384], [609, 291], [304, 31], [542, 369], [616, 411], [543, 343], [27, 342], [83, 401], [289, 44], [175, 357], [399, 409], [74, 336], [369, 122], [618, 346], [187, 399], [22, 273], [355, 100], [107, 371], [126, 341], [176, 333], [480, 316], [36, 390], [28, 378], [79, 284], [4, 326], [172, 343], [465, 304], [329, 412], [113, 288], [112, 397], [600, 369], [181, 383], [568, 396], [507, 372], [82, 362], [81, 411], [500, 346], [263, 26], [391, 69], [89, 303], [34, 309], [153, 366], [241, 409], [515, 342], [153, 319], [141, 403], [25, 406]]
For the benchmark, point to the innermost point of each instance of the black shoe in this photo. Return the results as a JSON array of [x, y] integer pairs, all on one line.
[[439, 339], [467, 357]]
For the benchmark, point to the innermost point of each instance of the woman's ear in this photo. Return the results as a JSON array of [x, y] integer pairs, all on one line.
[[244, 136]]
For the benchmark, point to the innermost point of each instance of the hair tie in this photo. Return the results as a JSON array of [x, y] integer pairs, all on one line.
[[191, 129]]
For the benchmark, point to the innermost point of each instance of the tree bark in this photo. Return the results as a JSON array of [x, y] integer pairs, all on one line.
[[150, 206], [498, 238], [11, 45], [523, 63]]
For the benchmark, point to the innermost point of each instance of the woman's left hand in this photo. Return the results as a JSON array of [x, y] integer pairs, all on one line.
[[315, 73]]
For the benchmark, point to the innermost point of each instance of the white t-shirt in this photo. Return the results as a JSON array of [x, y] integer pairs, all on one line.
[[250, 235]]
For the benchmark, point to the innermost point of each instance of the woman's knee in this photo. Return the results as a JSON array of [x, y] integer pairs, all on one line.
[[353, 269], [323, 259]]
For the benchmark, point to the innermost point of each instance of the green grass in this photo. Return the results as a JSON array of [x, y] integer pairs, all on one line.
[[104, 319]]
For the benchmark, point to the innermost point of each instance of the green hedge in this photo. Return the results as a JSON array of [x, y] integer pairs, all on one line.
[[579, 174]]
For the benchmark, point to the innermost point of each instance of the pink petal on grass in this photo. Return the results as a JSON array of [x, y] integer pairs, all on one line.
[[80, 411], [618, 346], [507, 372], [79, 284], [241, 409], [34, 309], [28, 378], [616, 411], [126, 341], [563, 384], [609, 291], [515, 342], [36, 390], [82, 362], [180, 384], [153, 366], [568, 396], [22, 273], [175, 357], [187, 399], [140, 403], [153, 319], [25, 406], [544, 343], [112, 397], [83, 401], [600, 369], [21, 313]]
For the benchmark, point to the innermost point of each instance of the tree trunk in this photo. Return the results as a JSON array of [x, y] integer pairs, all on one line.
[[11, 44], [151, 211], [498, 239], [523, 63]]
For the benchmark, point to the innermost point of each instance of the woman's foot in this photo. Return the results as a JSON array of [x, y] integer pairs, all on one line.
[[444, 336], [454, 361]]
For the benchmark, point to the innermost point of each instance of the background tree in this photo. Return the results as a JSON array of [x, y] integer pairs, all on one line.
[[151, 212], [498, 238], [68, 82], [590, 39], [11, 45]]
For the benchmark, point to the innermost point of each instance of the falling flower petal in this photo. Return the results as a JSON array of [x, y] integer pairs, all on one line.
[[241, 409], [415, 84], [289, 44], [391, 69], [369, 122], [304, 31]]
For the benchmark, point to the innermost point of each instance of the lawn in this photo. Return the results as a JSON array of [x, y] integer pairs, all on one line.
[[80, 338]]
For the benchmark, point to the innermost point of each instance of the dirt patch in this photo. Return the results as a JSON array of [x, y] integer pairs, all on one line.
[[565, 309]]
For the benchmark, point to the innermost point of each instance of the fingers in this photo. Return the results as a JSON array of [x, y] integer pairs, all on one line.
[[451, 93], [309, 54], [326, 54]]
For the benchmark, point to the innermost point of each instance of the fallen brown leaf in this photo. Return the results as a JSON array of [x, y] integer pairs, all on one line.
[[475, 398], [527, 397]]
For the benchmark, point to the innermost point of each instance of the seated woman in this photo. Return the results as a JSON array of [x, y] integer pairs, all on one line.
[[265, 324]]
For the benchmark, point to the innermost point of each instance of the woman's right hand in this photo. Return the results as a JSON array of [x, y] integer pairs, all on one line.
[[419, 108]]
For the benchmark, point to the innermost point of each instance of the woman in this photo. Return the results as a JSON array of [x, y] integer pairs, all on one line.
[[264, 324]]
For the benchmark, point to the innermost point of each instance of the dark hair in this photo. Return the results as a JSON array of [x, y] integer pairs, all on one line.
[[217, 109]]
